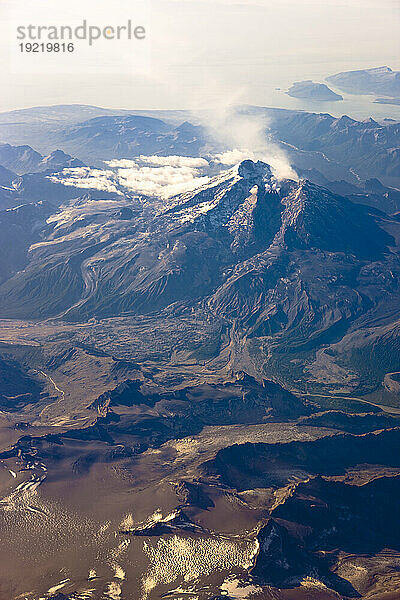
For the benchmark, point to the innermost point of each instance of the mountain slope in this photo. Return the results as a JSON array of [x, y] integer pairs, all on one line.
[[290, 269]]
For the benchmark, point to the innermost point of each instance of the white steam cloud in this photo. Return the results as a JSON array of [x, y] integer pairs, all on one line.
[[245, 136]]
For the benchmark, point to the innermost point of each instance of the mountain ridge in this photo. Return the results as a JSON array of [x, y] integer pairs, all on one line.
[[288, 268]]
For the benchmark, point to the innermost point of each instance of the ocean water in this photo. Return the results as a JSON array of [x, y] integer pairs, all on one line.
[[358, 107]]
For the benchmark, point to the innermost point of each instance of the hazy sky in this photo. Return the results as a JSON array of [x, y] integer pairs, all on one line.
[[203, 52]]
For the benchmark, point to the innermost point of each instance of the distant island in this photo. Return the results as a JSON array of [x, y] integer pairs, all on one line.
[[312, 91], [380, 80], [387, 101]]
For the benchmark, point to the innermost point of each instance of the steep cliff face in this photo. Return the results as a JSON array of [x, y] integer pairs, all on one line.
[[361, 423], [19, 387], [158, 415], [249, 465], [305, 531]]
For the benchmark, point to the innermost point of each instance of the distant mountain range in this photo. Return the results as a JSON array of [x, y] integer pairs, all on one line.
[[23, 159], [105, 138], [365, 146], [24, 176], [334, 146]]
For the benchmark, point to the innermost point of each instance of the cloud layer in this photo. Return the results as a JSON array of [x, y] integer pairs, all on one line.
[[159, 176], [164, 177]]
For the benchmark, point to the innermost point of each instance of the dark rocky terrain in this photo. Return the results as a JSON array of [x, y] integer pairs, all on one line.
[[306, 529]]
